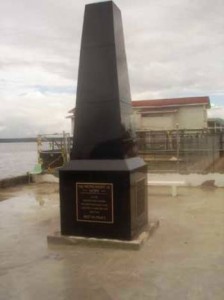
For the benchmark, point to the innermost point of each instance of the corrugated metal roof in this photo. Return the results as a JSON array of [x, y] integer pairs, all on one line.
[[172, 102]]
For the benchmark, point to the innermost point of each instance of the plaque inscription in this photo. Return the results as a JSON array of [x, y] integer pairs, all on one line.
[[94, 202]]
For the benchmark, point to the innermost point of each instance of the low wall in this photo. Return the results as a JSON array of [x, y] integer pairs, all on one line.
[[7, 182], [190, 179]]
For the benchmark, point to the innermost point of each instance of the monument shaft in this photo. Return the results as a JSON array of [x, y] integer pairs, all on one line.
[[102, 119]]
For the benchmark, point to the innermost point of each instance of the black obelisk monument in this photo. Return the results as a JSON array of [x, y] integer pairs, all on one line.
[[103, 188]]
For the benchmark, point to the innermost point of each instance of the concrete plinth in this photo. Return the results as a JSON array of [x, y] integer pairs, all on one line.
[[57, 238]]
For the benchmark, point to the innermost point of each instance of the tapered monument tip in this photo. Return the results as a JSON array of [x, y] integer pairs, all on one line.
[[103, 3]]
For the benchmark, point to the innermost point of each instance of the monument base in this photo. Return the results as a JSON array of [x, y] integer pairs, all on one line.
[[104, 198], [56, 238]]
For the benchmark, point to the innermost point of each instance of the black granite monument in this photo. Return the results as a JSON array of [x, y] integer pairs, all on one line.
[[103, 188]]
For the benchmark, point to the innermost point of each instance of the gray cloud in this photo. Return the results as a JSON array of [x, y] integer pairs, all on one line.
[[174, 49]]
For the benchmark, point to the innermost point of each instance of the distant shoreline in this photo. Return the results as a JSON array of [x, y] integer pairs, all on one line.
[[18, 140]]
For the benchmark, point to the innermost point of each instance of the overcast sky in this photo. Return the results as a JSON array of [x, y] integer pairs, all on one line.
[[175, 48]]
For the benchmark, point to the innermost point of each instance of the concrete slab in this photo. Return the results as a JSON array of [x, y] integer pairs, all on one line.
[[183, 260]]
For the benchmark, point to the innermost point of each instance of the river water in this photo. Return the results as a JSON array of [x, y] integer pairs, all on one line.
[[17, 159]]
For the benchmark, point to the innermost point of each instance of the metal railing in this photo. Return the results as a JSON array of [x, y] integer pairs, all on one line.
[[182, 151], [53, 150]]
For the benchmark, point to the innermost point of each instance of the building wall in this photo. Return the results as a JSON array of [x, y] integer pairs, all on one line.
[[192, 117], [188, 117], [158, 121]]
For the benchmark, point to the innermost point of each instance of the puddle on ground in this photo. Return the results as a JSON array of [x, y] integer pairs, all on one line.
[[30, 196]]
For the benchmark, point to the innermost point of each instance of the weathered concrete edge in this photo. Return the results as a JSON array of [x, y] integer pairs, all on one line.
[[9, 182], [56, 238], [26, 179], [42, 178], [192, 180]]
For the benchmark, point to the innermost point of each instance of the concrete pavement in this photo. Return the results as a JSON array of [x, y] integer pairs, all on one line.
[[183, 260]]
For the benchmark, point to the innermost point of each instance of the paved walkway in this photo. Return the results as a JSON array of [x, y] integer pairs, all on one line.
[[183, 260]]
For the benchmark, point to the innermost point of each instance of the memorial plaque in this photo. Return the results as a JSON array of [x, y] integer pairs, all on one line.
[[94, 202]]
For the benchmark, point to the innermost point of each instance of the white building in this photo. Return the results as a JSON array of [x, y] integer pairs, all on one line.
[[171, 114]]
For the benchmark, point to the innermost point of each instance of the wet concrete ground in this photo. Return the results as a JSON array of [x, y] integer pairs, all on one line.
[[183, 260]]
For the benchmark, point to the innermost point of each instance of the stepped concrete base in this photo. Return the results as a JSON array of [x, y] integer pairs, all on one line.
[[56, 238]]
